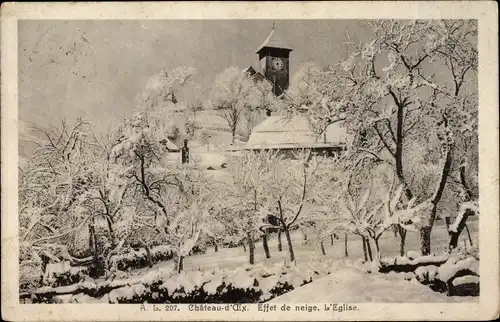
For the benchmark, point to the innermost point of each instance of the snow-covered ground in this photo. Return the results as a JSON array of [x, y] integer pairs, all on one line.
[[348, 281], [232, 258], [349, 285]]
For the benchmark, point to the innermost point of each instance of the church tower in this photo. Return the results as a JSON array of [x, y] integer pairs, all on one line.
[[274, 57]]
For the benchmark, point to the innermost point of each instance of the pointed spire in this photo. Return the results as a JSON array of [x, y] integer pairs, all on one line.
[[273, 41]]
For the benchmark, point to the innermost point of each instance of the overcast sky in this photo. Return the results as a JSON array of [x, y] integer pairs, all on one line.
[[96, 68]]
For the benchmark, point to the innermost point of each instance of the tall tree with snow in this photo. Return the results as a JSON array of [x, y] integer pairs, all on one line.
[[174, 199], [232, 94], [388, 96], [157, 183], [288, 189], [191, 216], [166, 86], [65, 188], [247, 190], [262, 103]]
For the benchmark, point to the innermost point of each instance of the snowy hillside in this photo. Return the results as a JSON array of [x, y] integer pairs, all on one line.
[[214, 129]]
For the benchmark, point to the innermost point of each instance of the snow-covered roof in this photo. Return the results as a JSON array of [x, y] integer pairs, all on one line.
[[170, 145], [250, 70], [255, 75], [279, 132], [274, 41]]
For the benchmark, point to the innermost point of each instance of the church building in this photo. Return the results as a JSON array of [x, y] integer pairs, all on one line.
[[278, 132], [274, 60]]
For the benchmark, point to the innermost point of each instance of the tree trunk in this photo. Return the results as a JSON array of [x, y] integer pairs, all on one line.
[[364, 249], [251, 248], [233, 133], [331, 239], [323, 248], [216, 248], [45, 261], [369, 249], [425, 240], [179, 263], [463, 222], [402, 234], [111, 232], [92, 240], [175, 258], [304, 234], [345, 245], [377, 248], [425, 232], [265, 245], [447, 222], [98, 265], [468, 234], [290, 246], [148, 255], [194, 123], [244, 247], [398, 153], [460, 227], [280, 244]]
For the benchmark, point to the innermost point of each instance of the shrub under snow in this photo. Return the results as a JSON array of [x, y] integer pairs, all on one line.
[[468, 279], [455, 264], [250, 285], [444, 273], [138, 259]]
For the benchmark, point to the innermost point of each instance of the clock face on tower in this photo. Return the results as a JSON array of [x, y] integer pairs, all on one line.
[[277, 64]]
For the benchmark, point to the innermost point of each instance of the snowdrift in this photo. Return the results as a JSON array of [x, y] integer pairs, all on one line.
[[351, 285]]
